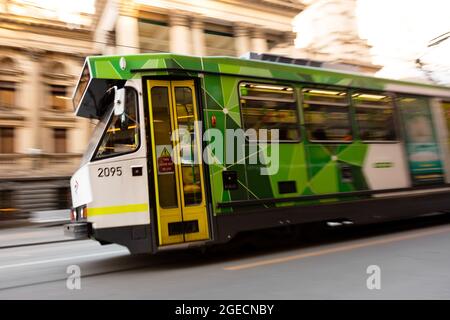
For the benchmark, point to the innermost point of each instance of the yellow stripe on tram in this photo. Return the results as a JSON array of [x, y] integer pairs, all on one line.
[[118, 209]]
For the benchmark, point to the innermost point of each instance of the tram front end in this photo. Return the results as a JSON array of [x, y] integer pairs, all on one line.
[[109, 191]]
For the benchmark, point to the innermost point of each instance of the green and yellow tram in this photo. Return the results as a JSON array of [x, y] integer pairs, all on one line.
[[189, 151]]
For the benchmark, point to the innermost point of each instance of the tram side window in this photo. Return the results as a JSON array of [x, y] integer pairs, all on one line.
[[122, 134], [327, 116], [374, 116], [267, 106]]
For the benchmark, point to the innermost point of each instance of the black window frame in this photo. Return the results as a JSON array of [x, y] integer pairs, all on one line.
[[9, 86], [12, 131], [57, 90], [294, 101], [349, 113], [395, 115], [94, 154], [60, 132]]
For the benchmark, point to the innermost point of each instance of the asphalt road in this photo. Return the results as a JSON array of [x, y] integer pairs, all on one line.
[[413, 258], [31, 235]]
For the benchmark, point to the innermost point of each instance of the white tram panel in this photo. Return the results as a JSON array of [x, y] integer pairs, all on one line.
[[80, 186], [120, 199], [126, 193], [385, 166]]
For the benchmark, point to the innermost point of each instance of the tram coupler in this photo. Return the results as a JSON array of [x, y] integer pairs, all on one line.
[[77, 230]]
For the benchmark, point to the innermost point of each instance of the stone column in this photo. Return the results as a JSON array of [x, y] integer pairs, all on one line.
[[242, 39], [290, 38], [34, 102], [127, 35], [127, 29], [180, 38], [259, 42], [110, 47], [198, 37], [290, 44], [35, 99]]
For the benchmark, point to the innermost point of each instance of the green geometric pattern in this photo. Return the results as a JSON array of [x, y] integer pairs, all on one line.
[[325, 167], [315, 168], [108, 67]]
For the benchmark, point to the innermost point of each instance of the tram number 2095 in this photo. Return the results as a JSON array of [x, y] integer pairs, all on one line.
[[109, 172]]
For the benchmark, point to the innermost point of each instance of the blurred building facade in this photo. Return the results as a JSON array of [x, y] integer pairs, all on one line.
[[327, 30], [40, 60], [40, 139], [41, 57], [214, 27], [42, 52]]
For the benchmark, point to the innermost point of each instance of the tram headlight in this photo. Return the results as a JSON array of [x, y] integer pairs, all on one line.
[[73, 214], [83, 213], [79, 213]]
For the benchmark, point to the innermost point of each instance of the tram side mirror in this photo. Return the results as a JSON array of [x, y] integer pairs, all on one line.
[[119, 101]]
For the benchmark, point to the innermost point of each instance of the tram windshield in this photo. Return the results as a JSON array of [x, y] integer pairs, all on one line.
[[115, 134], [122, 134], [98, 132]]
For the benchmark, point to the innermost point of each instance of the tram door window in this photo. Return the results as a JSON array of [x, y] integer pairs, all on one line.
[[421, 141], [446, 112], [176, 154], [186, 129], [445, 109], [162, 129]]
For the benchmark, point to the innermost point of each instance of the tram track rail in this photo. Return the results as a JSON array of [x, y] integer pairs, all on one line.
[[37, 243], [64, 279]]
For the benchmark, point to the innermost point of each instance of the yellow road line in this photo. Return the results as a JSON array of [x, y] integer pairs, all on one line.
[[336, 249], [118, 209]]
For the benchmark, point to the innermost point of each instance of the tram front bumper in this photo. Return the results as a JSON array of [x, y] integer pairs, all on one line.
[[77, 230]]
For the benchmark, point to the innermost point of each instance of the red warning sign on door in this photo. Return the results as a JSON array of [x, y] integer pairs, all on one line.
[[165, 163]]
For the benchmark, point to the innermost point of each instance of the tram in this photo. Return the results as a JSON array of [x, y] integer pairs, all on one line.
[[189, 151]]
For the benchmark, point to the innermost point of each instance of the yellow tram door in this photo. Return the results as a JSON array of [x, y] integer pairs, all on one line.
[[176, 152]]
